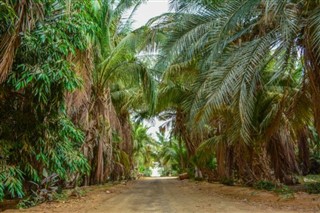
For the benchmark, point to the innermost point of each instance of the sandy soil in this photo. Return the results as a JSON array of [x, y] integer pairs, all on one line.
[[171, 195]]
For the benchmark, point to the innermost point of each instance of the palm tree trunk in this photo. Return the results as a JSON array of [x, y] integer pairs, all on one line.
[[224, 154], [304, 153], [313, 71], [126, 135], [102, 138], [99, 174], [282, 155], [252, 163], [182, 163], [191, 138], [182, 131]]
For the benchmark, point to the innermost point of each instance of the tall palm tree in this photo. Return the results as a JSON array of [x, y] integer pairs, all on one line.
[[115, 78], [174, 89], [235, 45]]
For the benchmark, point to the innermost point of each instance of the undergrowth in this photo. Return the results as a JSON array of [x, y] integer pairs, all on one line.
[[227, 181], [313, 188], [282, 190], [264, 185]]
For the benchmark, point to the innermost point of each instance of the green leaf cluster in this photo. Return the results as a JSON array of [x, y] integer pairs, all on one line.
[[36, 133]]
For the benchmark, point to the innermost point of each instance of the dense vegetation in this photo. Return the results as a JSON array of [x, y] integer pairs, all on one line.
[[237, 82], [242, 77]]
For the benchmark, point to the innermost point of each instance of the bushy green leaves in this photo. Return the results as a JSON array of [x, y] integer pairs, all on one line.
[[60, 148], [36, 132], [11, 180], [7, 16]]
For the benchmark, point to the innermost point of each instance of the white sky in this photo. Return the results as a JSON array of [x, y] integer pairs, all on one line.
[[154, 127], [149, 10]]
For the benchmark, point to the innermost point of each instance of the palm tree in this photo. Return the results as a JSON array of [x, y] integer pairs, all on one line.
[[172, 155], [144, 148], [258, 32], [235, 44], [174, 89], [115, 79]]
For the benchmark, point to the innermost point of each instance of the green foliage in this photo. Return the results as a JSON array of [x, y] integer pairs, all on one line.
[[172, 155], [145, 171], [46, 190], [213, 164], [119, 76], [144, 147], [11, 181], [232, 73], [167, 171], [284, 191], [63, 196], [313, 188], [309, 178], [314, 147], [247, 79], [227, 181], [33, 116], [264, 185], [205, 155], [7, 16], [26, 203]]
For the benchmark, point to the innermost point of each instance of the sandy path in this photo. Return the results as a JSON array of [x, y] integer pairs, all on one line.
[[174, 196], [169, 195]]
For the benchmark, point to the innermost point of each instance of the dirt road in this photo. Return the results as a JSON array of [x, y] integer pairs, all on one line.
[[169, 195], [174, 196]]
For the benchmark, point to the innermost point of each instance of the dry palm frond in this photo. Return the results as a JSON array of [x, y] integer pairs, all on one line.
[[8, 48], [27, 14], [78, 101]]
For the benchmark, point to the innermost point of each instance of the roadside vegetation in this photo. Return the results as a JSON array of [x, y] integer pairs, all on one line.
[[236, 82]]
